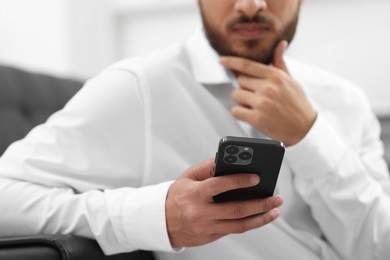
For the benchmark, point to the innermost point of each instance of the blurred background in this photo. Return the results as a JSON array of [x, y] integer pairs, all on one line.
[[78, 38]]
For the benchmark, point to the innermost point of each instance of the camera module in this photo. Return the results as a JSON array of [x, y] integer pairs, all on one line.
[[238, 154], [232, 149], [245, 156], [230, 159]]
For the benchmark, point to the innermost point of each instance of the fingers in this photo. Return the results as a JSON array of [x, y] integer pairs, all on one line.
[[239, 217], [244, 209], [201, 171], [246, 67], [193, 218], [278, 61], [217, 185], [238, 226], [244, 98], [246, 114], [249, 83], [211, 186]]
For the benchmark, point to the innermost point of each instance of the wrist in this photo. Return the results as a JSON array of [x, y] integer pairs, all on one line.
[[305, 128]]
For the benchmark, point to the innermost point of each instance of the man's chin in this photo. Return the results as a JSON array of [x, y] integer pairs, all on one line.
[[257, 56], [257, 50]]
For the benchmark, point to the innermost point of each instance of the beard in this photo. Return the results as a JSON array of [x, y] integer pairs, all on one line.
[[258, 50]]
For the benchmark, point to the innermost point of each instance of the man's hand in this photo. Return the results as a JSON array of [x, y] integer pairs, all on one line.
[[270, 99], [194, 219]]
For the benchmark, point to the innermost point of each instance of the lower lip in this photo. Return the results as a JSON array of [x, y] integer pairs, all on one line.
[[251, 33]]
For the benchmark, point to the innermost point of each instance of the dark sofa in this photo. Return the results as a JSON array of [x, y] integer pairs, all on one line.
[[28, 99]]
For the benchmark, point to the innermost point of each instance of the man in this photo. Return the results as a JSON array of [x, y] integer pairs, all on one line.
[[102, 167]]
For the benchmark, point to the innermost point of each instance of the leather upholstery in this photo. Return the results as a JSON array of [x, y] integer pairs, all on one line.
[[385, 136], [28, 99], [64, 247]]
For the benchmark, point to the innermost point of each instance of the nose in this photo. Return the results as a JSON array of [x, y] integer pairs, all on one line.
[[250, 8]]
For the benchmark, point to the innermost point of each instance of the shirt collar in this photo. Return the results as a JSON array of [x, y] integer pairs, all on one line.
[[204, 61]]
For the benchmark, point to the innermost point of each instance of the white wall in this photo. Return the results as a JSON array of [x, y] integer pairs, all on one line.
[[62, 37], [81, 37], [141, 30], [32, 33], [351, 38]]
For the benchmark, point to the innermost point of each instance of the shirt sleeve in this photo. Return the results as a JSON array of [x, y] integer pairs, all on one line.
[[347, 188], [82, 172]]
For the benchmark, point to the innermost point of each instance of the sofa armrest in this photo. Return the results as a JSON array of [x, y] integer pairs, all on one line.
[[385, 136], [61, 247]]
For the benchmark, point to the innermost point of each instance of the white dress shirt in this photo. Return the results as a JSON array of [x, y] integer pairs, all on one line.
[[102, 166]]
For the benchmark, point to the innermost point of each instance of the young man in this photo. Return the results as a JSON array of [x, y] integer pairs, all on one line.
[[103, 166]]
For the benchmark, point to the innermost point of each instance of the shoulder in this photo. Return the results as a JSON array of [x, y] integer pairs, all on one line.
[[323, 84], [160, 60]]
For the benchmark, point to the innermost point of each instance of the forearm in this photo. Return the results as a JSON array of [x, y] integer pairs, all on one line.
[[66, 175], [121, 220], [347, 192], [352, 211]]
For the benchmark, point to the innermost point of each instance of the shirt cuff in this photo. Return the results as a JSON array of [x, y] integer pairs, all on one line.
[[144, 218], [139, 219], [317, 153]]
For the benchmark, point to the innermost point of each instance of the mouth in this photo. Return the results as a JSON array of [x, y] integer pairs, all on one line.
[[251, 30]]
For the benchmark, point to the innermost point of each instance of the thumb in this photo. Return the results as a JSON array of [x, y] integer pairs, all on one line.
[[201, 171], [278, 61]]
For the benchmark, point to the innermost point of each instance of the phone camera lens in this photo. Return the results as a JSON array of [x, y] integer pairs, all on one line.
[[230, 159], [232, 150], [245, 156]]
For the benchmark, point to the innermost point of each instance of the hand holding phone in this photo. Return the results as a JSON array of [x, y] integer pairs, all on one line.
[[249, 155], [192, 217]]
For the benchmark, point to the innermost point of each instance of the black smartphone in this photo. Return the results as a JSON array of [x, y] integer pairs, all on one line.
[[249, 155]]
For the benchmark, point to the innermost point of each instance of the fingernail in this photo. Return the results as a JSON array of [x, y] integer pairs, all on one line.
[[255, 179], [275, 213], [279, 200], [285, 45]]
